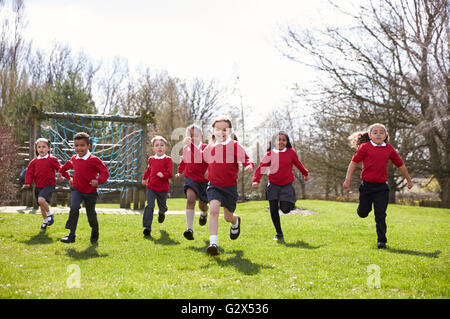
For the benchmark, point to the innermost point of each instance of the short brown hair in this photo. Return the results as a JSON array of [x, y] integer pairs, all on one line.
[[82, 136]]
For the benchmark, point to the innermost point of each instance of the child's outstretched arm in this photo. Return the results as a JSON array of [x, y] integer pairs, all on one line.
[[348, 178], [263, 167], [181, 168], [405, 173], [63, 170]]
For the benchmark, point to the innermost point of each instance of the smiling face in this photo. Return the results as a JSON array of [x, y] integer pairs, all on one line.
[[280, 142], [196, 136], [81, 147], [221, 131], [378, 134], [42, 148], [159, 147]]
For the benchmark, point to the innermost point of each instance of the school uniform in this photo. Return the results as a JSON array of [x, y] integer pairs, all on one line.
[[42, 171], [194, 167], [223, 166], [157, 187], [280, 175], [85, 169], [279, 190], [373, 189]]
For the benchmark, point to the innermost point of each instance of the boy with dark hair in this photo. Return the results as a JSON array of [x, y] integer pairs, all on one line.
[[89, 172]]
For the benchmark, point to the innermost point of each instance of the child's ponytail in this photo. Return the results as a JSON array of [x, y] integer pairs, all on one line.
[[358, 138]]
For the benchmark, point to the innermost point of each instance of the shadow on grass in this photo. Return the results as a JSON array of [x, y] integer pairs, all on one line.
[[434, 254], [39, 239], [299, 244], [90, 252], [163, 240], [243, 265]]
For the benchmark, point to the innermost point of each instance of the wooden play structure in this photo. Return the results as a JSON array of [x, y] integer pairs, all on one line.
[[119, 141]]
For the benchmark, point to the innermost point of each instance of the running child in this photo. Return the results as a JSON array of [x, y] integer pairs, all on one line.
[[277, 163], [88, 173], [223, 156], [195, 171], [42, 171], [374, 150], [156, 178]]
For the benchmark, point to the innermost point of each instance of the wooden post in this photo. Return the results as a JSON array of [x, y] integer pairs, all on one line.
[[129, 190], [36, 127], [144, 160]]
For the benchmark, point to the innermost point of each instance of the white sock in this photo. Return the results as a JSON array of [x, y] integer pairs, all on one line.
[[235, 225], [49, 214], [213, 240], [190, 213]]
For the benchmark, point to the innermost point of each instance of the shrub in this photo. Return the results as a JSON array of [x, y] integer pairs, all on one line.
[[9, 159]]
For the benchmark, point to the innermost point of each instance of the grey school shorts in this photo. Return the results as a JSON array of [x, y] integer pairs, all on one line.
[[45, 192], [281, 193], [227, 196]]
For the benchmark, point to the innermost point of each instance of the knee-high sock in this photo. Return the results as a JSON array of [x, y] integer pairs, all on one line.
[[190, 213]]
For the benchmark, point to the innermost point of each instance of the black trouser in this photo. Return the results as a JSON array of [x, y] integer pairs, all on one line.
[[161, 198], [75, 203], [378, 195], [285, 207]]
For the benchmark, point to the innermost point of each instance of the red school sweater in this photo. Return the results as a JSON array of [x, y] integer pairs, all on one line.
[[192, 163], [155, 165], [42, 171], [85, 171], [223, 162], [375, 160], [279, 165]]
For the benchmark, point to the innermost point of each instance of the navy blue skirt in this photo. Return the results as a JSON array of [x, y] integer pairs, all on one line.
[[227, 196], [198, 188], [285, 193], [45, 192]]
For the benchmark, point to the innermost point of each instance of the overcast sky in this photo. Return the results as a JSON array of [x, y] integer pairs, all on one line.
[[208, 39]]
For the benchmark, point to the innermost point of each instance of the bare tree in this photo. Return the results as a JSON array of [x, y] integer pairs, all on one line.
[[392, 67], [202, 100]]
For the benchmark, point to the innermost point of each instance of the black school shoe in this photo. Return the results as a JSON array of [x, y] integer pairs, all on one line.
[[161, 217], [94, 235], [237, 230], [212, 250], [51, 221], [279, 238], [202, 220], [381, 245], [189, 234], [147, 231], [68, 239], [44, 226]]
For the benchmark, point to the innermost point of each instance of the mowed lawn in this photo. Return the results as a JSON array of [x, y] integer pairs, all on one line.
[[331, 254]]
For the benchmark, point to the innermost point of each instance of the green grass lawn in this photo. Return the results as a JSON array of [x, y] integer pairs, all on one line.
[[331, 254]]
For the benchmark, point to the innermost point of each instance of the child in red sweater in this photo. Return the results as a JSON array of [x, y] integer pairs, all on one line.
[[194, 167], [375, 152], [89, 172], [42, 171], [279, 191], [223, 156], [156, 178]]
